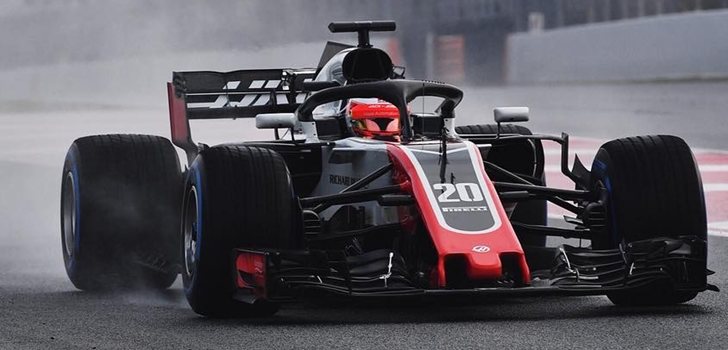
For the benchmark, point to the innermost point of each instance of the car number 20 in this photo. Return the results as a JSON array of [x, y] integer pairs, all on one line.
[[462, 192]]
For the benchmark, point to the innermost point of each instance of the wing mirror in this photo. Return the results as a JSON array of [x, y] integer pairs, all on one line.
[[510, 114], [276, 121]]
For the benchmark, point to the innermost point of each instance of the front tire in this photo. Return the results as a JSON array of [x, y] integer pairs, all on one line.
[[119, 212], [653, 190], [236, 196]]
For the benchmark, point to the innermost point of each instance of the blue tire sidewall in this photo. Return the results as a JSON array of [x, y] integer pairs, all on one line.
[[72, 261], [195, 176]]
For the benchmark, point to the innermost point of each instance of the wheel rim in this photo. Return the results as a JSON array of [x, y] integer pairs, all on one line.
[[69, 214], [190, 232]]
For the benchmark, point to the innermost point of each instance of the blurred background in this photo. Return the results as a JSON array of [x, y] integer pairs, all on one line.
[[474, 41], [650, 62]]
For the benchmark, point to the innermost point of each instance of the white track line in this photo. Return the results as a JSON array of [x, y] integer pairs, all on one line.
[[707, 168], [713, 168], [556, 150], [707, 188], [718, 187], [719, 228], [707, 150]]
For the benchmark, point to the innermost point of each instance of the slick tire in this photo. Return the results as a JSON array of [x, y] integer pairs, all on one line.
[[120, 198], [654, 190], [236, 196], [521, 157]]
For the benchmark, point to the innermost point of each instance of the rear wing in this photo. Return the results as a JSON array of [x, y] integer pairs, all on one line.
[[231, 95]]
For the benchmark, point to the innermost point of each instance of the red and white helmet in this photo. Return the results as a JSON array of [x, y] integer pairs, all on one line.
[[374, 119]]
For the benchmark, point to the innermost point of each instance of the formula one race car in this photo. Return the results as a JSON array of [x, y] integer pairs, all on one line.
[[373, 192]]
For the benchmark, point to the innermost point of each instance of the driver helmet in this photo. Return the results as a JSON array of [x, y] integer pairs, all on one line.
[[374, 118]]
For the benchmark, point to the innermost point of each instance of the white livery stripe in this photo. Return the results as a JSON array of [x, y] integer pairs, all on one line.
[[272, 84], [199, 105], [262, 100], [220, 102], [245, 102], [257, 84], [231, 85]]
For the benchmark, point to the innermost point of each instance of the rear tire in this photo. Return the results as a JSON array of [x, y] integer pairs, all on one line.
[[120, 196], [523, 158], [236, 196], [654, 190]]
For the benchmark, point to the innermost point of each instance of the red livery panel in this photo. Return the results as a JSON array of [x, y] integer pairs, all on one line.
[[251, 273], [489, 239]]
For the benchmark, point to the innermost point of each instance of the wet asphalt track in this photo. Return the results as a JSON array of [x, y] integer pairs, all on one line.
[[39, 308]]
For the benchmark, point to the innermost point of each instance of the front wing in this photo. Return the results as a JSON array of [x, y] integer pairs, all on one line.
[[286, 275]]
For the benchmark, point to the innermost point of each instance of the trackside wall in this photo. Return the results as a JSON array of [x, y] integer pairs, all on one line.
[[682, 46]]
